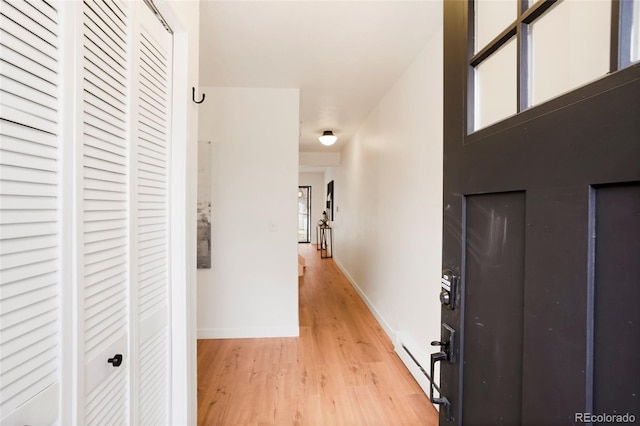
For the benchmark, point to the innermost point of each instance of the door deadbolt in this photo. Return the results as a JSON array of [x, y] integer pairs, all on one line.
[[445, 297], [449, 282]]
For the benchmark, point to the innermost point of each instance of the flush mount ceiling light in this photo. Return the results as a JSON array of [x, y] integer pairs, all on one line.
[[328, 138]]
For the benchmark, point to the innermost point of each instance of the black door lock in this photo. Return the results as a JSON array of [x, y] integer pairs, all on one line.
[[449, 290], [116, 360]]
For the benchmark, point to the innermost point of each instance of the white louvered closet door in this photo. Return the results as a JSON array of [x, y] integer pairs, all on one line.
[[30, 283], [105, 211], [153, 47]]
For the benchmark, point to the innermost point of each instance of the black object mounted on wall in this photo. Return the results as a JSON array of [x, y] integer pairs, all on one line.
[[330, 200], [193, 96]]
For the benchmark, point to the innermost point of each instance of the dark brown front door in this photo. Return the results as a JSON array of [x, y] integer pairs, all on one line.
[[542, 227]]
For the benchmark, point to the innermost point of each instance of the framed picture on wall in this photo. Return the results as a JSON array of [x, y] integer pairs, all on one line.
[[330, 200], [204, 205]]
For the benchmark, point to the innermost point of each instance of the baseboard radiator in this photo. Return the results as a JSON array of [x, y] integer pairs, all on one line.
[[422, 370]]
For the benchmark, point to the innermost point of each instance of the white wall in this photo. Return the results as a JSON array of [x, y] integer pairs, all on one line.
[[318, 197], [251, 289], [319, 159], [388, 192]]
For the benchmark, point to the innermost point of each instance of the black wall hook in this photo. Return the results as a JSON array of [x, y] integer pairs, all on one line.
[[193, 96]]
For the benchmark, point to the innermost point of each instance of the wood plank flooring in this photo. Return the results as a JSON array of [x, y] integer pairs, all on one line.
[[342, 370]]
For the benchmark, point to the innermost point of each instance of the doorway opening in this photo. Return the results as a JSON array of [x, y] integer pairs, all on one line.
[[304, 214]]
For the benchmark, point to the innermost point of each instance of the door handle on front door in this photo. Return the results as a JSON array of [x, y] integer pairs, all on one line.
[[447, 353], [442, 400], [116, 360]]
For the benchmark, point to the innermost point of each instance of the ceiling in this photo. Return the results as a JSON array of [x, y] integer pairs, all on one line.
[[343, 55]]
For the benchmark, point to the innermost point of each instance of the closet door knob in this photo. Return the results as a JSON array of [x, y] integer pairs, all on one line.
[[116, 360]]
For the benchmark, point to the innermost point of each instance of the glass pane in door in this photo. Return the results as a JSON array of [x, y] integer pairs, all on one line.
[[570, 46], [635, 33], [496, 90], [491, 18]]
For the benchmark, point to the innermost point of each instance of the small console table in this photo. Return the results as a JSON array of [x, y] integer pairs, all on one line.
[[324, 235]]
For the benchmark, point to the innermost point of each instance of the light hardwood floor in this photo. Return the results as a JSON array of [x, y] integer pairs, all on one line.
[[342, 370]]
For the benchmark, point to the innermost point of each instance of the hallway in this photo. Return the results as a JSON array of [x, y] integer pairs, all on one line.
[[342, 370]]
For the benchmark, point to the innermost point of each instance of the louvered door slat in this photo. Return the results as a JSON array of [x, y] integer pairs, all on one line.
[[19, 60], [34, 189], [44, 324], [103, 123], [150, 86], [103, 140], [26, 230], [101, 185], [103, 285], [110, 25], [23, 273], [36, 162], [150, 191], [18, 245], [21, 146], [107, 327], [26, 31], [35, 110], [25, 175], [41, 373], [105, 318], [101, 194], [152, 377], [20, 86], [153, 135], [113, 120], [22, 307], [155, 149], [104, 401], [118, 11], [103, 45], [25, 134], [42, 11], [154, 56], [16, 260], [96, 177], [103, 81], [111, 277], [39, 364], [153, 274], [28, 51], [109, 111], [109, 13], [23, 12], [26, 77], [10, 113], [148, 109], [103, 244], [152, 120]]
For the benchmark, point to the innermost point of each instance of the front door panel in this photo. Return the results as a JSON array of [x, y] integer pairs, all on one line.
[[494, 296], [617, 292]]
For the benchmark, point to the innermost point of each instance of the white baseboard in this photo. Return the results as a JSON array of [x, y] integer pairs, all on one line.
[[248, 333], [385, 326]]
